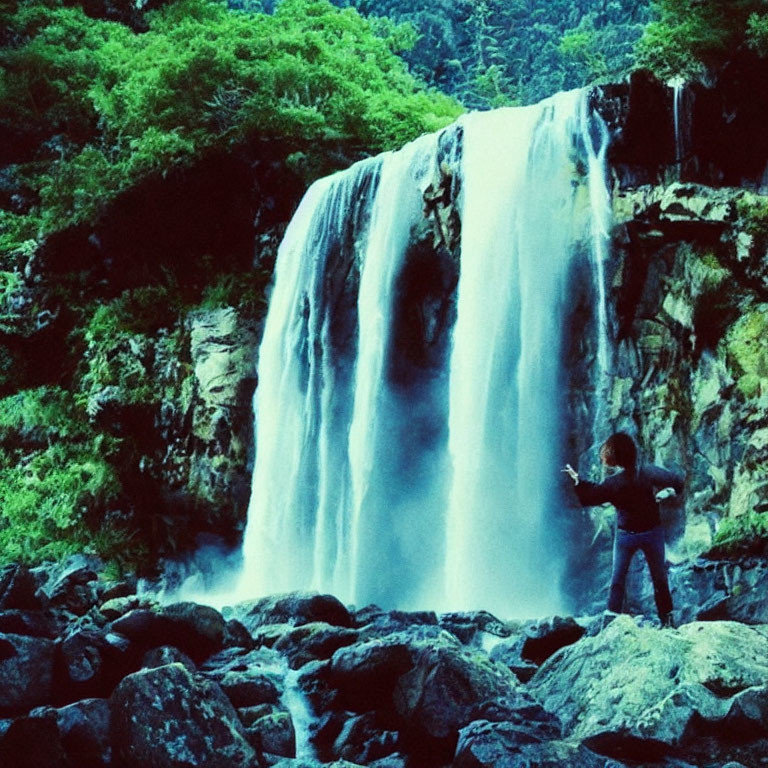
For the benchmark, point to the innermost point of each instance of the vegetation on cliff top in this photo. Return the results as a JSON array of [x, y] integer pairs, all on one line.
[[90, 106], [688, 37]]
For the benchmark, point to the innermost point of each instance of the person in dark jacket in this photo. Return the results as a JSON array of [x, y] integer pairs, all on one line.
[[635, 493]]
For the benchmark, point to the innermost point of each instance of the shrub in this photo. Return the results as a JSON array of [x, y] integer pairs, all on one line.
[[740, 534], [690, 36], [747, 351], [55, 478]]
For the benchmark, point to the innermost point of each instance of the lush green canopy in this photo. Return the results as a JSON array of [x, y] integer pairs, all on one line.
[[689, 36], [92, 105]]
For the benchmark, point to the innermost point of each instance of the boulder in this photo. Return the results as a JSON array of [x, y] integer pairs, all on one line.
[[166, 654], [295, 608], [17, 588], [505, 745], [26, 669], [30, 623], [273, 733], [248, 679], [446, 682], [466, 626], [538, 641], [196, 630], [84, 729], [169, 717], [363, 739], [365, 675], [33, 742], [72, 584], [115, 607], [373, 621], [314, 641], [633, 691]]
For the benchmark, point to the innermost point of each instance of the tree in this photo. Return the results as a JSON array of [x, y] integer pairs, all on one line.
[[690, 37]]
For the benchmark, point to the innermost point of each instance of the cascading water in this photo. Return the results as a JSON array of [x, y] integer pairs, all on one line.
[[408, 429]]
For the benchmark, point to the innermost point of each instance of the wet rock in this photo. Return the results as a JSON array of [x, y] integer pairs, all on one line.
[[273, 733], [366, 674], [33, 741], [311, 642], [30, 623], [17, 589], [166, 654], [631, 690], [118, 589], [196, 630], [537, 642], [116, 607], [314, 682], [171, 718], [364, 738], [505, 745], [201, 627], [446, 683], [143, 627], [375, 622], [548, 636], [295, 608], [235, 634], [248, 679], [90, 662], [390, 761], [82, 666], [469, 625], [26, 669], [84, 729]]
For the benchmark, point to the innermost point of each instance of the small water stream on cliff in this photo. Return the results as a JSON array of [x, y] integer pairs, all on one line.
[[408, 428]]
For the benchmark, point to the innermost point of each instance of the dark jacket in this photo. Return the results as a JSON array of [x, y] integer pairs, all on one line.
[[633, 493]]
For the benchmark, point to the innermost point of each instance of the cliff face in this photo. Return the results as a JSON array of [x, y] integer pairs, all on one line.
[[687, 292], [687, 299]]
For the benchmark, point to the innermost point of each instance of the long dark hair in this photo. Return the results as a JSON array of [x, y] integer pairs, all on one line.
[[619, 450]]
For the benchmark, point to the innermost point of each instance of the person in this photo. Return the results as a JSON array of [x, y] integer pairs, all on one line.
[[635, 493]]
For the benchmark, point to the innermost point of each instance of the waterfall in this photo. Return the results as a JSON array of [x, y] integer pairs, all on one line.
[[679, 120], [410, 398]]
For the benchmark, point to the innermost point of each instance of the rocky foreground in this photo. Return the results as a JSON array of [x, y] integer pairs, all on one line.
[[92, 674]]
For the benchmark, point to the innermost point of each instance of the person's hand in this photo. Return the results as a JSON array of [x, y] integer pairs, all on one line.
[[572, 473], [665, 493]]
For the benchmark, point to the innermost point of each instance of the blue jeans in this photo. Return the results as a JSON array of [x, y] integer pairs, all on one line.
[[651, 543]]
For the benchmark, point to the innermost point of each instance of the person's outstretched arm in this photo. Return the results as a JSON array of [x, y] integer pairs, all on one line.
[[589, 494], [592, 494]]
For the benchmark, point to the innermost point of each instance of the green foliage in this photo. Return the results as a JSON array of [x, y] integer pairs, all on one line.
[[491, 52], [121, 342], [55, 478], [244, 290], [110, 106], [43, 415], [752, 211], [742, 532], [757, 33], [748, 352], [688, 37], [716, 301]]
